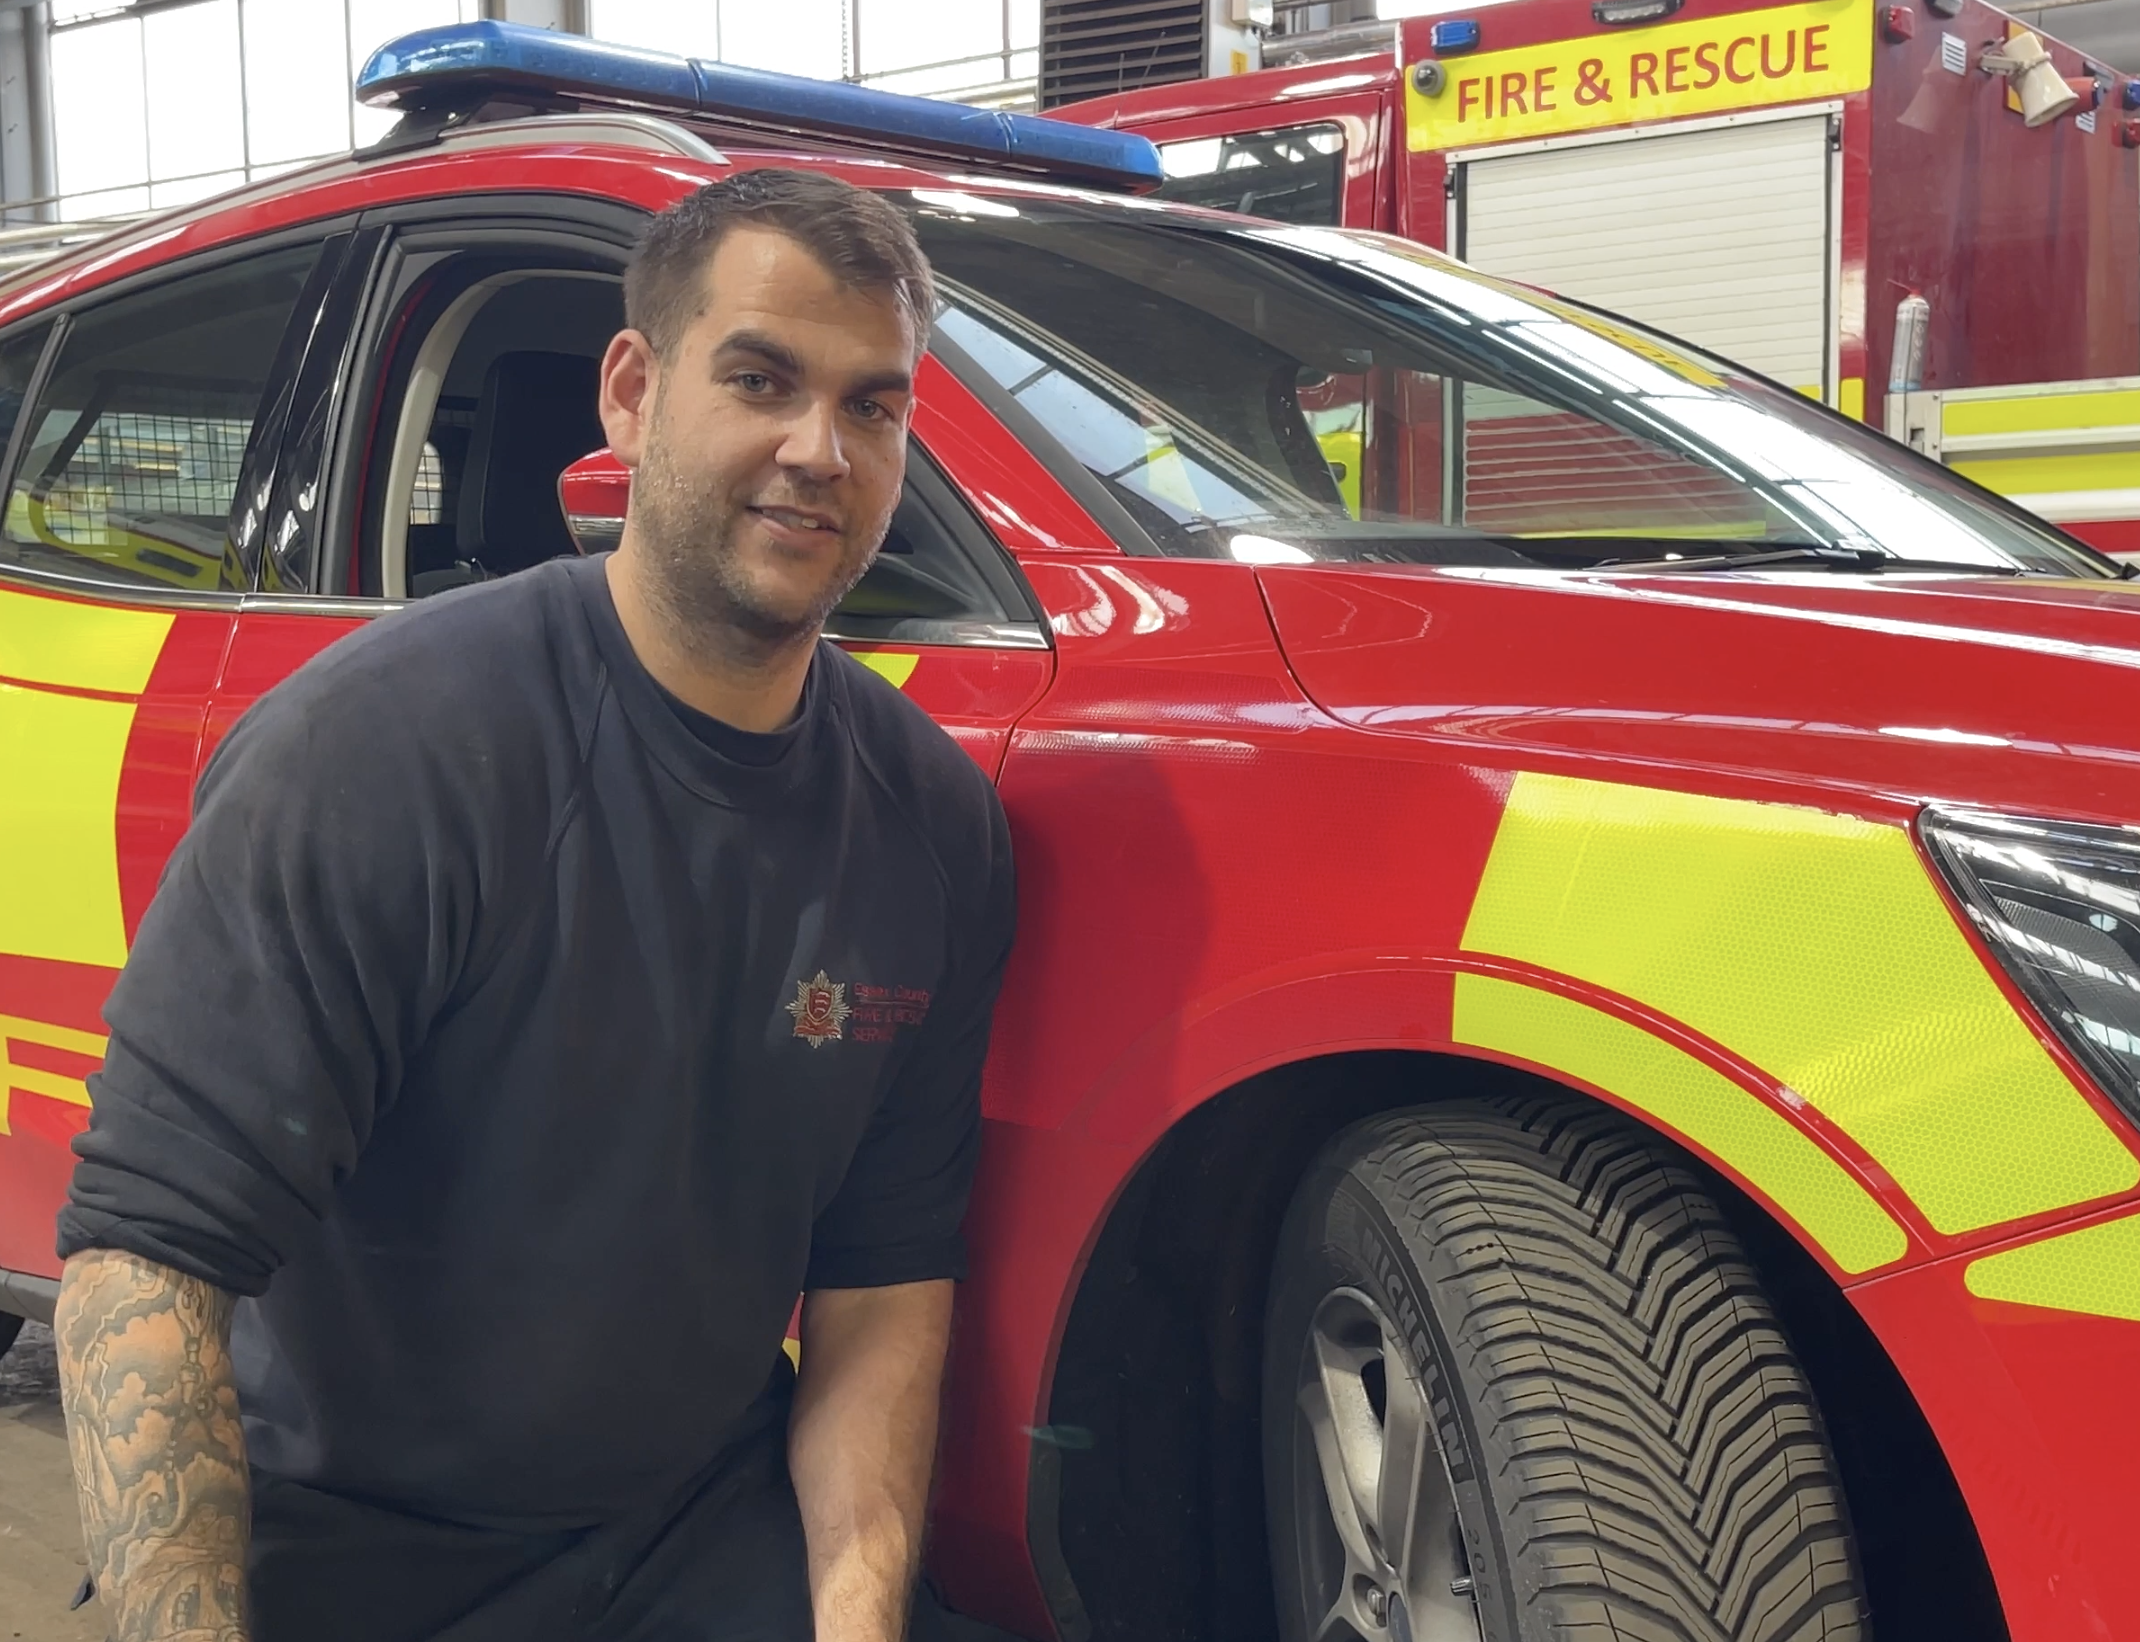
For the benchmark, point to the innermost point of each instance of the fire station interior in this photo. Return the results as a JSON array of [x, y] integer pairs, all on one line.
[[1920, 235]]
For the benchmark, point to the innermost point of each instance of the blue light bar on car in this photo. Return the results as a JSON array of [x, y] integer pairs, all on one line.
[[468, 64]]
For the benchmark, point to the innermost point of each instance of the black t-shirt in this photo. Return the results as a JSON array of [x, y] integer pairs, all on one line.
[[524, 1049]]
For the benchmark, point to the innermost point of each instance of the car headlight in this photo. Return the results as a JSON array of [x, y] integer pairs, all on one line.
[[2059, 902]]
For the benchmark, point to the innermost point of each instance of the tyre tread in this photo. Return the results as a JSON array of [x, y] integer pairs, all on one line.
[[1653, 1445]]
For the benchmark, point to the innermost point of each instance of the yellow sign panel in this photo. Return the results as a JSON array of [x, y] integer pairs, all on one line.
[[1705, 65]]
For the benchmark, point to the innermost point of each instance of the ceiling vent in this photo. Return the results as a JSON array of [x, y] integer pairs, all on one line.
[[1089, 48]]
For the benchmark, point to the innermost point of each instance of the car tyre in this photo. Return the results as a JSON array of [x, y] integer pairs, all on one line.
[[1521, 1384], [10, 1326]]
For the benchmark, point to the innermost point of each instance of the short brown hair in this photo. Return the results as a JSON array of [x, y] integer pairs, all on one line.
[[861, 237]]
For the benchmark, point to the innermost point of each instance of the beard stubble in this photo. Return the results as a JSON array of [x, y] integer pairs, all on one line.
[[687, 531]]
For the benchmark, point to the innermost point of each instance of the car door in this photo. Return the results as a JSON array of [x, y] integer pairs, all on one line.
[[469, 388], [143, 410]]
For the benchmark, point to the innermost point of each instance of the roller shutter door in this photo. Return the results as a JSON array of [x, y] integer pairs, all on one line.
[[1719, 236]]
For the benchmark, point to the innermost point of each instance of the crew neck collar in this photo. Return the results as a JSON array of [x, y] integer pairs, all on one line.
[[771, 764]]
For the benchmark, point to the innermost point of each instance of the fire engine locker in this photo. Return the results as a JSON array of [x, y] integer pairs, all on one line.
[[1721, 234]]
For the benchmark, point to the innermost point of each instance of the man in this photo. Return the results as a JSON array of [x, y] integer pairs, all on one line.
[[486, 1080]]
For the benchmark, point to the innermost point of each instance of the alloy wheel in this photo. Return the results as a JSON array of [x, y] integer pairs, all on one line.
[[1380, 1544]]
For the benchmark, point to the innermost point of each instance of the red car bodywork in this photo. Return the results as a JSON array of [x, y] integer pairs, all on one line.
[[1234, 858], [2028, 241]]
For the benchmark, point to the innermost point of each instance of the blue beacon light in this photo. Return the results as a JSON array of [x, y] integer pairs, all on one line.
[[465, 64], [1453, 35]]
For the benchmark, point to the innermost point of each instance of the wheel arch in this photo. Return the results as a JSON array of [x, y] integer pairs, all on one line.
[[1145, 1510]]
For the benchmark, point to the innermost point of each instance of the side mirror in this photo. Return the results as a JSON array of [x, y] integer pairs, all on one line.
[[594, 492]]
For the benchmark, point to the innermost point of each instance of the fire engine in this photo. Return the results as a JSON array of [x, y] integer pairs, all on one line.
[[1572, 1062], [1923, 214]]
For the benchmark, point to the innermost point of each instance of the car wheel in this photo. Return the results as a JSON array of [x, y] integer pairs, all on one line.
[[10, 1326], [1521, 1383]]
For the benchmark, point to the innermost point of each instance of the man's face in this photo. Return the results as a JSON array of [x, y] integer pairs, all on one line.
[[770, 445]]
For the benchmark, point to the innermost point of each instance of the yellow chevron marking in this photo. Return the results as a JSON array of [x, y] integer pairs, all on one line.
[[1815, 947], [896, 666], [59, 766], [1702, 1104], [34, 1080], [80, 646], [2095, 1270]]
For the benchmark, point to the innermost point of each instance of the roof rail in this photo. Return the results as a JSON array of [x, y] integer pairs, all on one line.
[[450, 75]]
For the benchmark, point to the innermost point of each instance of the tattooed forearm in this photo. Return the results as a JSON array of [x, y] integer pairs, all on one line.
[[159, 1455]]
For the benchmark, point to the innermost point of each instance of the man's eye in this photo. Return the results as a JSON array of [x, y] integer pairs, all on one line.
[[754, 382], [869, 410]]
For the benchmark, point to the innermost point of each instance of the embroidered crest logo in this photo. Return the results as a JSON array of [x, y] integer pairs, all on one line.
[[820, 1009]]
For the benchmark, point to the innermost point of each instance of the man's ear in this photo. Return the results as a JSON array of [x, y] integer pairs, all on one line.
[[631, 376]]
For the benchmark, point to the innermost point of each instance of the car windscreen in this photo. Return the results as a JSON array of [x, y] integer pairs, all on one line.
[[1285, 394]]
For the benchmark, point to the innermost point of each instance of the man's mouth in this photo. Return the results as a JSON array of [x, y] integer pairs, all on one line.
[[799, 519]]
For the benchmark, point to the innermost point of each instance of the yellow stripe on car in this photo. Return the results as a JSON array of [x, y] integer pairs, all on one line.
[[60, 758], [60, 761], [894, 666], [2095, 1270], [35, 1080], [1709, 1109], [79, 646], [1815, 947]]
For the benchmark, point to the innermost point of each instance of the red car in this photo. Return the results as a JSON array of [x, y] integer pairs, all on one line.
[[1571, 1064]]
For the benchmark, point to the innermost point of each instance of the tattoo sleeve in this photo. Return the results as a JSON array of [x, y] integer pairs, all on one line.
[[159, 1454]]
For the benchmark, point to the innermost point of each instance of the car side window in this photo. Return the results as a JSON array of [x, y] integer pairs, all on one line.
[[934, 568], [490, 395], [131, 454]]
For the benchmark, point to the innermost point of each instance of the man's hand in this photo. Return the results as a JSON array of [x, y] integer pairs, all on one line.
[[159, 1455], [861, 1444]]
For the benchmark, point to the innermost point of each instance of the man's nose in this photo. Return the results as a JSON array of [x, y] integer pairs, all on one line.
[[813, 443]]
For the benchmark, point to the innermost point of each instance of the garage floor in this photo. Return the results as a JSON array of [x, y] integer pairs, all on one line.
[[40, 1534]]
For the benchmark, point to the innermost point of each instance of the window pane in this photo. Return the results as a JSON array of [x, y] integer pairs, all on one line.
[[794, 37], [196, 124], [106, 202], [99, 125], [297, 78], [1292, 176], [953, 80], [133, 459], [896, 34], [689, 27], [164, 195]]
